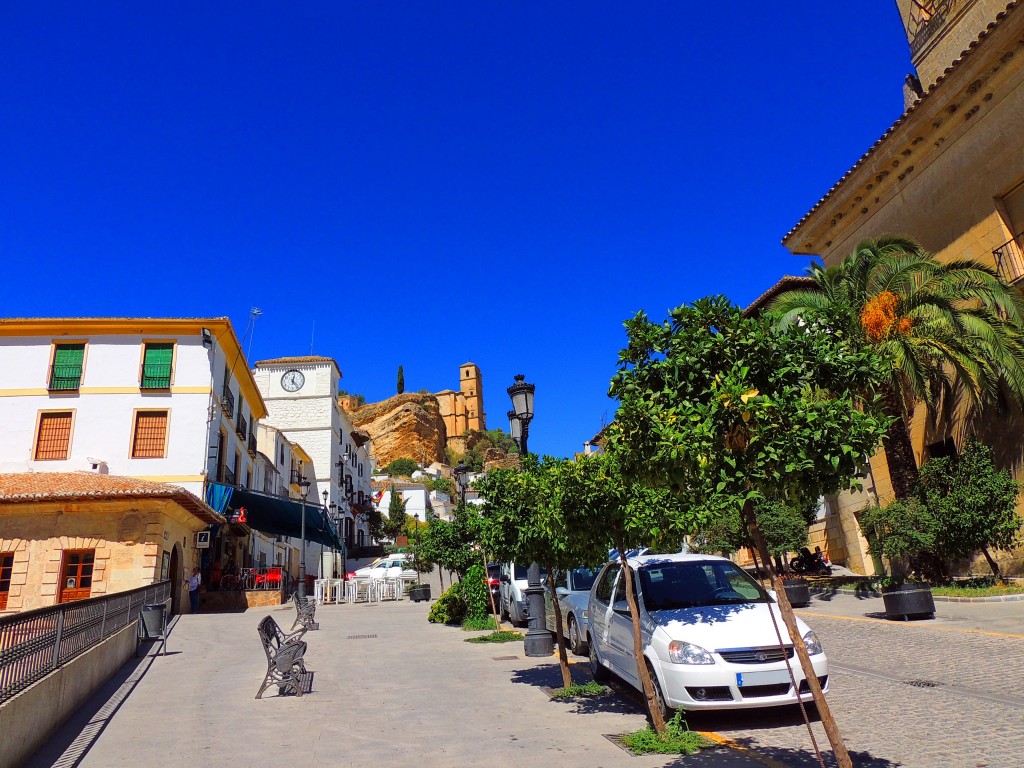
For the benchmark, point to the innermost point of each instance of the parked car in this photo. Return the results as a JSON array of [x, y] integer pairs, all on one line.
[[379, 567], [494, 585], [573, 590], [708, 635], [513, 592]]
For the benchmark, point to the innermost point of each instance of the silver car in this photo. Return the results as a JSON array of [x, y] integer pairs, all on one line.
[[573, 590]]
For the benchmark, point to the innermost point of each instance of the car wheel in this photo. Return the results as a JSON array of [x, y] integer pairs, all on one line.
[[597, 670], [575, 641], [659, 698]]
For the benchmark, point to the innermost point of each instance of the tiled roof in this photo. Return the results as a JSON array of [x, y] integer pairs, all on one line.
[[964, 55], [26, 487], [787, 283], [298, 360]]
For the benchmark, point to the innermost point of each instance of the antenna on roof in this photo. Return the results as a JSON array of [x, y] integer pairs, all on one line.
[[254, 312], [311, 335]]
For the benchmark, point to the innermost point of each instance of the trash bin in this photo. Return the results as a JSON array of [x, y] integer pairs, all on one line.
[[151, 624]]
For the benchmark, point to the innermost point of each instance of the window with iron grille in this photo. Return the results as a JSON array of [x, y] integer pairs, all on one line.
[[6, 566], [149, 440], [66, 371], [156, 365], [53, 441]]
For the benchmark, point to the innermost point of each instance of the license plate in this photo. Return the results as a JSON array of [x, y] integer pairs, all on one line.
[[762, 678]]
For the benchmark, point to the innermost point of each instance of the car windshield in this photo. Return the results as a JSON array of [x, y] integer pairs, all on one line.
[[520, 572], [583, 578], [671, 585]]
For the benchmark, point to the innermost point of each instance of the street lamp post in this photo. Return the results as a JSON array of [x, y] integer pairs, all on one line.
[[538, 640], [304, 485]]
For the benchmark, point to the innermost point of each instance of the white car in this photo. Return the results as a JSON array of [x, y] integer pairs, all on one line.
[[573, 590], [379, 568], [707, 634]]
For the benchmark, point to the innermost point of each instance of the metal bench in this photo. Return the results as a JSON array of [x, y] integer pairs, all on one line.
[[285, 667], [305, 612]]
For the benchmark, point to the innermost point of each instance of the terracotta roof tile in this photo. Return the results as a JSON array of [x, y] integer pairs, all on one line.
[[26, 487], [964, 55], [787, 283]]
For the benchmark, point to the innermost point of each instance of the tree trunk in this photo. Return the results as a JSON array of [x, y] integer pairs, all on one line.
[[563, 658], [992, 564], [899, 451], [638, 647], [831, 729], [490, 595]]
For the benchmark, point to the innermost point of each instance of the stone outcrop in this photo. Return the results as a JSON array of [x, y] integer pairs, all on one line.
[[405, 426]]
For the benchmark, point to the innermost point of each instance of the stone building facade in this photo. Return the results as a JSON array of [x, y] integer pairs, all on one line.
[[463, 410], [949, 173]]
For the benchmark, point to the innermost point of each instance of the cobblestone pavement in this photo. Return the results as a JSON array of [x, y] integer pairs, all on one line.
[[903, 695]]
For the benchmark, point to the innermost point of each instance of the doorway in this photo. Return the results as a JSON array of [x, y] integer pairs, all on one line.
[[177, 579]]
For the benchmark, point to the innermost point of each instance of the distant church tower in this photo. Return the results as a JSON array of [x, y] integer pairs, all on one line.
[[471, 386]]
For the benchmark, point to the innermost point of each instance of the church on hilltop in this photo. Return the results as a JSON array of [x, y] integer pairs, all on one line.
[[463, 410]]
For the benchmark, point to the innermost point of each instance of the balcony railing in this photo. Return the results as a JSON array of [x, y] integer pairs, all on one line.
[[64, 378], [227, 401], [252, 445], [1010, 260], [925, 20], [226, 475], [295, 477], [156, 376], [241, 429]]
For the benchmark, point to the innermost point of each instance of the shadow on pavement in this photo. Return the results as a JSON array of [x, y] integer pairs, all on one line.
[[805, 758], [548, 677]]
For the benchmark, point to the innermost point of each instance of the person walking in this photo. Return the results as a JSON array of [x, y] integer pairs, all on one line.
[[193, 583]]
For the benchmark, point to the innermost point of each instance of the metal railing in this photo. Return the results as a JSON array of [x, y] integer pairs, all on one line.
[[226, 475], [252, 444], [156, 376], [925, 20], [64, 378], [268, 577], [227, 401], [35, 643], [1010, 260]]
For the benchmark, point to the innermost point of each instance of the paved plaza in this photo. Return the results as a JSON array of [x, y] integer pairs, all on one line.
[[392, 689]]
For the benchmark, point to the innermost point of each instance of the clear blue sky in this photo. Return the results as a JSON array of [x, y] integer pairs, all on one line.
[[427, 182]]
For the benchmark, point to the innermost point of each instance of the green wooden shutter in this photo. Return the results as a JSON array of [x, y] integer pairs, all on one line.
[[67, 366], [156, 366]]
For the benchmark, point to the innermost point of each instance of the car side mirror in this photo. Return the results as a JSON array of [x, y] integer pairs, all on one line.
[[621, 607], [772, 595], [561, 591], [505, 579]]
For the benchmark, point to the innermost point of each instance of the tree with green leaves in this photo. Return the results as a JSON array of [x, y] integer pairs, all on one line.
[[397, 522], [523, 523], [974, 504], [944, 331], [401, 380], [402, 467], [603, 507], [727, 412], [783, 526]]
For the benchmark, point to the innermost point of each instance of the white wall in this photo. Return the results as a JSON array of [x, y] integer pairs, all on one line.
[[104, 405]]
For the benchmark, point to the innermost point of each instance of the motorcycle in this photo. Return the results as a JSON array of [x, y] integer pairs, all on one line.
[[809, 563]]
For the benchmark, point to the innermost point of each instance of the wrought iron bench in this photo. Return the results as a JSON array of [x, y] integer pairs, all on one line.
[[285, 667], [305, 612]]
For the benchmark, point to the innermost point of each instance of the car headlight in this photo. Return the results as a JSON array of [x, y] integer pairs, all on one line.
[[688, 653], [584, 614], [812, 643]]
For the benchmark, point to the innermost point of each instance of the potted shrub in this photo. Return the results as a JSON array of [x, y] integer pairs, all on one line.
[[797, 590], [419, 591], [902, 532]]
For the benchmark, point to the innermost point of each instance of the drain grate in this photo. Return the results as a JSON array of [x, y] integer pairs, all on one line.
[[924, 683], [362, 637], [505, 658]]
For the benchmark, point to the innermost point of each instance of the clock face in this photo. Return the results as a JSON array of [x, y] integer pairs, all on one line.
[[292, 381]]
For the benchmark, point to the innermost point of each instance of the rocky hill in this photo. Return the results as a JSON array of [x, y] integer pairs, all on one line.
[[404, 426]]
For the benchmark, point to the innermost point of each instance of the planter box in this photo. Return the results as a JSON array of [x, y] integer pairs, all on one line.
[[419, 592], [908, 600], [798, 592]]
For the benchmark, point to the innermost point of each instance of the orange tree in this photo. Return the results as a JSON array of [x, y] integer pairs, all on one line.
[[522, 521], [727, 411]]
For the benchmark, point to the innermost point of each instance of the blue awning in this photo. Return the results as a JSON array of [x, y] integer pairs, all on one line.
[[279, 516]]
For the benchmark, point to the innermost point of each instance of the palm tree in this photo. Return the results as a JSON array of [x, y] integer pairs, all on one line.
[[949, 332]]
